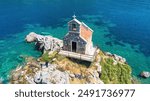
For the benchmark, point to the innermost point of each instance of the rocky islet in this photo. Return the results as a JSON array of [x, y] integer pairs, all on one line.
[[64, 71]]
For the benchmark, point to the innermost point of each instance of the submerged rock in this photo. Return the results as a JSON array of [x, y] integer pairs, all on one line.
[[1, 80]]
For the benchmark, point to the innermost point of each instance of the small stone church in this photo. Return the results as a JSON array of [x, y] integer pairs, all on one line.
[[79, 38]]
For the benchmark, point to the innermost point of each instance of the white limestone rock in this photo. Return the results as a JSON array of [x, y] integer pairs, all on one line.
[[108, 54], [30, 80], [46, 42], [72, 75], [99, 68], [93, 77], [115, 62], [38, 77], [119, 58], [51, 75], [145, 74], [116, 57], [31, 37]]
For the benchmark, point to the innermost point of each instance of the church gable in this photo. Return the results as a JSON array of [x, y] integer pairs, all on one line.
[[81, 28], [74, 26]]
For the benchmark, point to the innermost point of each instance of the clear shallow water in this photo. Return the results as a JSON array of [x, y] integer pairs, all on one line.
[[121, 27]]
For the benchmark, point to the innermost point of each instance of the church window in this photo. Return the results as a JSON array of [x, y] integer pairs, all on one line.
[[74, 27]]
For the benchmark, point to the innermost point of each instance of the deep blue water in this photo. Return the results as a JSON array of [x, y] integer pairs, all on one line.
[[130, 37]]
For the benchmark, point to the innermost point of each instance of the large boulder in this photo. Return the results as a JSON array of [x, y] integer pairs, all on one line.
[[145, 74]]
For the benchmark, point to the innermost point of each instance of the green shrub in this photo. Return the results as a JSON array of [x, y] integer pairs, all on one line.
[[115, 74], [46, 57]]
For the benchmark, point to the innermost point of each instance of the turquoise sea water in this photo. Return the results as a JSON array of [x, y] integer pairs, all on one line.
[[121, 27]]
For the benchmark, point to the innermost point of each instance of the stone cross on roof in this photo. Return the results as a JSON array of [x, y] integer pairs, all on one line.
[[74, 16]]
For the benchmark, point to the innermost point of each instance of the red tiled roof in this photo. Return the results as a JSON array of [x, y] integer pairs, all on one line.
[[86, 32]]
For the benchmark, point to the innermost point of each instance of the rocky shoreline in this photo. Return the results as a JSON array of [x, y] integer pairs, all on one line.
[[52, 68]]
